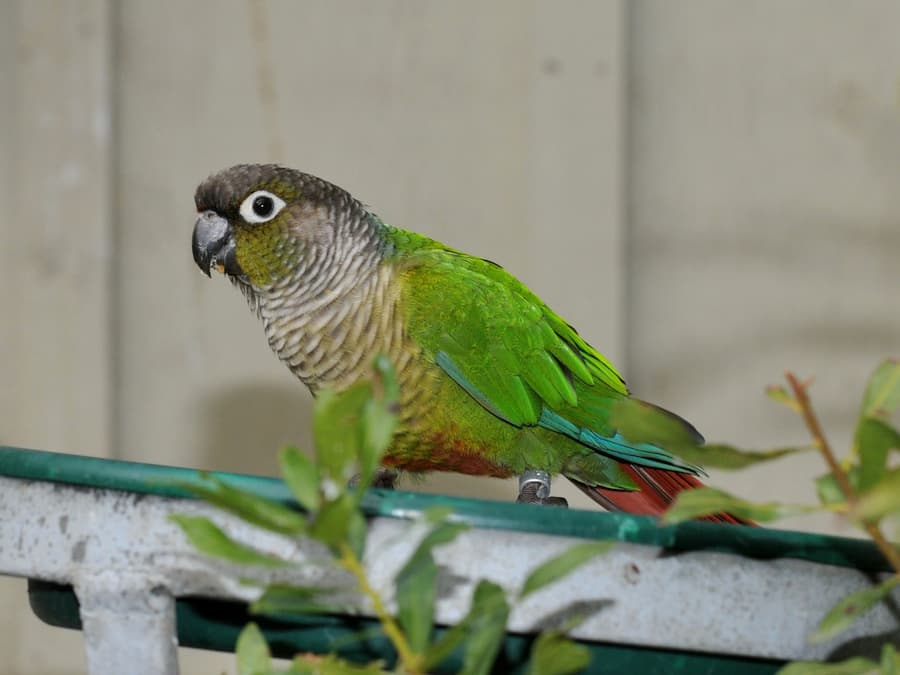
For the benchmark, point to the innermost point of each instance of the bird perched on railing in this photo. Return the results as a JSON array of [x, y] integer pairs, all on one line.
[[492, 381]]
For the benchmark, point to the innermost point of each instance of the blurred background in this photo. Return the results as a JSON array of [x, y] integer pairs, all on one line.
[[707, 189]]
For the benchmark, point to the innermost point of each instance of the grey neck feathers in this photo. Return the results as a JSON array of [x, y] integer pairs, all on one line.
[[328, 319]]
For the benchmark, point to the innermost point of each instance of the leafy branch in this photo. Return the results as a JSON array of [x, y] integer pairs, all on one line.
[[860, 486], [410, 660], [352, 429], [801, 396]]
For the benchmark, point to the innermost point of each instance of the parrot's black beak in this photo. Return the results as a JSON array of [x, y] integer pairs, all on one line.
[[213, 245]]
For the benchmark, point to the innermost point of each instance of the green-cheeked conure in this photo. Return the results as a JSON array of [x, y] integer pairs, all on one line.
[[492, 381]]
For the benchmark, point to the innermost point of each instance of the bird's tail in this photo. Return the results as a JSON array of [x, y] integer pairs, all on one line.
[[658, 489]]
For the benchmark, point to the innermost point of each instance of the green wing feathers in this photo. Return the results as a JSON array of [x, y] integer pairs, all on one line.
[[526, 365], [511, 348]]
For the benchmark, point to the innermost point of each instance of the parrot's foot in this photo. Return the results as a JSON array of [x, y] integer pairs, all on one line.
[[385, 479], [534, 488]]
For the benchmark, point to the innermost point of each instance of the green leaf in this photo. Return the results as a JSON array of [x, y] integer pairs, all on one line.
[[379, 424], [436, 514], [555, 654], [334, 521], [356, 532], [444, 533], [781, 395], [830, 492], [387, 394], [329, 664], [302, 477], [882, 397], [720, 456], [253, 656], [874, 438], [707, 501], [849, 609], [415, 594], [386, 379], [353, 427], [337, 429], [447, 643], [487, 628], [379, 419], [416, 586], [854, 666], [559, 566], [208, 538], [882, 499], [250, 507], [642, 422], [890, 660], [284, 599]]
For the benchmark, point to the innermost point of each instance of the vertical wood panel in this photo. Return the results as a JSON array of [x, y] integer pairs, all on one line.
[[11, 590], [55, 357], [766, 150], [764, 146], [56, 232]]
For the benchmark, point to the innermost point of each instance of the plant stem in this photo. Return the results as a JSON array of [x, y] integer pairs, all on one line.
[[886, 547], [812, 423], [409, 659], [840, 476]]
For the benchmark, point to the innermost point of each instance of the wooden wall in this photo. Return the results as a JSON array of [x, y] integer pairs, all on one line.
[[707, 189]]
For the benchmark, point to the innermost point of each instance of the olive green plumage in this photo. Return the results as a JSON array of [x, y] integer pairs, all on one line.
[[492, 381]]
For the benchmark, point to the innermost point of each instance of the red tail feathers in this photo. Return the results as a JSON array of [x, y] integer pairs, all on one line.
[[658, 489]]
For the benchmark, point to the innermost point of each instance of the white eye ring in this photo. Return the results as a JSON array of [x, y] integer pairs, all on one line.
[[261, 207]]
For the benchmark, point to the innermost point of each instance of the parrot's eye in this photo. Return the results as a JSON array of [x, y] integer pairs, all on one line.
[[261, 207]]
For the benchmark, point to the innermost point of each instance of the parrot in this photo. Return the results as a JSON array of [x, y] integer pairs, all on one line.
[[492, 381]]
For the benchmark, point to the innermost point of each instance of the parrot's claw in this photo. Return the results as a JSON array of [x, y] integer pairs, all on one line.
[[543, 501], [384, 479], [534, 488], [561, 502]]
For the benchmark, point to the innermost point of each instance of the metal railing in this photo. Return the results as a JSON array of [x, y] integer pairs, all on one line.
[[715, 592]]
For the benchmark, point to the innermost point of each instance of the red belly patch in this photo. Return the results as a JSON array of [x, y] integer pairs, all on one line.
[[443, 455]]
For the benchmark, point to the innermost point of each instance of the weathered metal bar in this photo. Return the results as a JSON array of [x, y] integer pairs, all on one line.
[[107, 542], [128, 619]]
